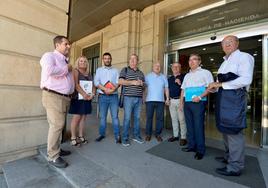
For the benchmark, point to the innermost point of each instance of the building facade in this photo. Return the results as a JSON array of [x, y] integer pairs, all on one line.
[[171, 30], [27, 28], [167, 31]]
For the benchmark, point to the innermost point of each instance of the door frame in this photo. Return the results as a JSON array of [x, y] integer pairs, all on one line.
[[242, 32], [264, 129]]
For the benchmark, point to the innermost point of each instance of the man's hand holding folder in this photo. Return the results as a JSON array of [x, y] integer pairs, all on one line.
[[109, 88]]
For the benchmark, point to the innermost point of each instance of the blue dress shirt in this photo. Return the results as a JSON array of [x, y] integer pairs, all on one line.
[[105, 74], [156, 85]]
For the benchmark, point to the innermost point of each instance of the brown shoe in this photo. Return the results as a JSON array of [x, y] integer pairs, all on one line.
[[183, 142], [159, 138], [148, 138]]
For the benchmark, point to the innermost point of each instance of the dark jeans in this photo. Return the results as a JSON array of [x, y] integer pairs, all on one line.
[[195, 117], [151, 107]]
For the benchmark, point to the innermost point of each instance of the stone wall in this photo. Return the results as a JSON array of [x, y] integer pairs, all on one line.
[[27, 28], [143, 33]]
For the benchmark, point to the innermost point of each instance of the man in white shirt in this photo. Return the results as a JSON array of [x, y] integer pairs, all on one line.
[[234, 77], [194, 105]]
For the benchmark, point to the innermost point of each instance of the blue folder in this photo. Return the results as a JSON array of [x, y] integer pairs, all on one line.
[[192, 92]]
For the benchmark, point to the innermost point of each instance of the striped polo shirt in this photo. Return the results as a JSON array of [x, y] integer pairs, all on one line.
[[128, 73]]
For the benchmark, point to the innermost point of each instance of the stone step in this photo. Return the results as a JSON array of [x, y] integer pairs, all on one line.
[[32, 172], [83, 172]]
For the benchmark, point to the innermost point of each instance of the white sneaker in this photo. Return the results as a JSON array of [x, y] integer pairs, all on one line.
[[138, 140], [126, 143]]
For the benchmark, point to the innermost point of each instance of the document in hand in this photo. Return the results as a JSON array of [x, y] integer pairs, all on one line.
[[192, 92], [86, 86], [109, 85]]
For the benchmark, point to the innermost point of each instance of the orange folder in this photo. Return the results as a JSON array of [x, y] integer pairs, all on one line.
[[109, 85]]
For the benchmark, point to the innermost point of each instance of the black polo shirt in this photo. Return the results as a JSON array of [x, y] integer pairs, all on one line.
[[174, 88]]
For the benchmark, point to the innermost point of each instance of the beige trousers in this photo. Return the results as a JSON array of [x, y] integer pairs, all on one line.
[[177, 116], [56, 107]]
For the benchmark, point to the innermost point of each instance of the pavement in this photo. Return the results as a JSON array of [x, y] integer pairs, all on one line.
[[107, 164]]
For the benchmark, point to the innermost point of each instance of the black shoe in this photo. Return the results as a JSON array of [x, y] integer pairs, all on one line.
[[173, 139], [64, 152], [187, 149], [225, 172], [59, 163], [118, 140], [198, 156], [221, 159], [99, 138]]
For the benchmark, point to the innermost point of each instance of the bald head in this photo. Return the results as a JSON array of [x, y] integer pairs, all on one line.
[[156, 67], [230, 44]]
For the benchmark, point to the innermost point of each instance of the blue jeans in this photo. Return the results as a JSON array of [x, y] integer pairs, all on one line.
[[131, 105], [195, 117], [108, 102], [150, 108]]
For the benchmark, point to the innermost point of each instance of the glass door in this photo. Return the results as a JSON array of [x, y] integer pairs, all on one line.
[[212, 57], [170, 58]]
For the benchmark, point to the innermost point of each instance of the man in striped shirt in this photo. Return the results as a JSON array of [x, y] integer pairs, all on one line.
[[132, 79]]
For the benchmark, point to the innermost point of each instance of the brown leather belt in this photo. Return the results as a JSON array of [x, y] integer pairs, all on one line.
[[52, 91]]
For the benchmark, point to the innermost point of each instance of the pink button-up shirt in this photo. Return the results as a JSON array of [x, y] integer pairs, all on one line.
[[55, 75]]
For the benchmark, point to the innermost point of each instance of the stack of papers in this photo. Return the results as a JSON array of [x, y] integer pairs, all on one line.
[[86, 86]]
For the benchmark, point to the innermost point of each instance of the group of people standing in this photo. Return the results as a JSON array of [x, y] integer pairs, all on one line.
[[134, 83], [186, 96]]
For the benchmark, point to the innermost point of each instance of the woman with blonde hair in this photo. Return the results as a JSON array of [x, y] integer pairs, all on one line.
[[80, 106]]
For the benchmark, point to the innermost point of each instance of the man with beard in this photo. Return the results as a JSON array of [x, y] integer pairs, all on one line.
[[106, 80]]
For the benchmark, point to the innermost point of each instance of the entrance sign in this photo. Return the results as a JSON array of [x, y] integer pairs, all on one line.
[[230, 15]]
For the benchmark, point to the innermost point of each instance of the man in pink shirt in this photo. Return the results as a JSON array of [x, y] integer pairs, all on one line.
[[57, 84]]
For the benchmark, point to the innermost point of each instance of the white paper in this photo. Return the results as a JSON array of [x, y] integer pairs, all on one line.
[[86, 86]]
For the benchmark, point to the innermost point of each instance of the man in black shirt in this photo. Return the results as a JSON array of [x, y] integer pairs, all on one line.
[[177, 115]]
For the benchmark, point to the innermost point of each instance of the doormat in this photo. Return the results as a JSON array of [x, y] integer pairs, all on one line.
[[251, 176]]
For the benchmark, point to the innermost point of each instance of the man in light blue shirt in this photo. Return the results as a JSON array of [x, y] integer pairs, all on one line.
[[106, 80], [157, 86], [103, 75]]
